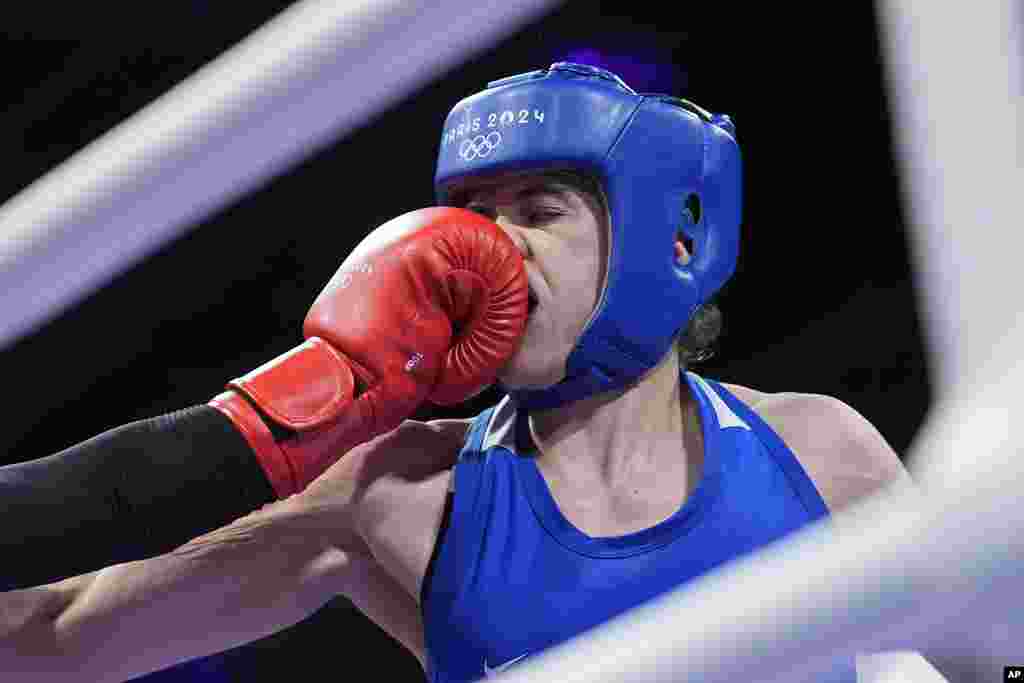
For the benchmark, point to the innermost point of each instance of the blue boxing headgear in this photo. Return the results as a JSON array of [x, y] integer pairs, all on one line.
[[651, 153]]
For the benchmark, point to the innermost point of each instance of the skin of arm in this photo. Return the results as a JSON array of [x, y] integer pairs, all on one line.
[[260, 574], [397, 486], [386, 603]]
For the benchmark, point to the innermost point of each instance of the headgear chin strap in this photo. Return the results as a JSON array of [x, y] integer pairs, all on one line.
[[651, 153]]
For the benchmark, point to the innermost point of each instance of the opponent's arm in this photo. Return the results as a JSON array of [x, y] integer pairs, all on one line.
[[428, 307], [118, 496], [260, 574]]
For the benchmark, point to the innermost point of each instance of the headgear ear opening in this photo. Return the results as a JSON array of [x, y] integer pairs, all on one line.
[[691, 211], [691, 217]]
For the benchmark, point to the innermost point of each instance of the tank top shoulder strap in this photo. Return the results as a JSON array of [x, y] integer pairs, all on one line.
[[786, 459]]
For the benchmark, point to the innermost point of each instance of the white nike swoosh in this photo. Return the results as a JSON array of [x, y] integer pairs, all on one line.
[[488, 671]]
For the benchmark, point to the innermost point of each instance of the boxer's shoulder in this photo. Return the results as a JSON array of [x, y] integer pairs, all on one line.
[[747, 395], [409, 453], [845, 455], [392, 492]]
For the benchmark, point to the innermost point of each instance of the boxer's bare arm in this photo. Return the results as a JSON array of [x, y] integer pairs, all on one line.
[[258, 575], [383, 600], [399, 483]]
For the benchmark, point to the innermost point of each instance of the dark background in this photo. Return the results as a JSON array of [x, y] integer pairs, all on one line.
[[823, 300]]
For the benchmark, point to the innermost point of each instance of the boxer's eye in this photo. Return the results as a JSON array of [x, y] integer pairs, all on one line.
[[542, 215]]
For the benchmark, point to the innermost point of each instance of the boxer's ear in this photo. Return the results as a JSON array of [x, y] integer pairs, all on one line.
[[684, 242]]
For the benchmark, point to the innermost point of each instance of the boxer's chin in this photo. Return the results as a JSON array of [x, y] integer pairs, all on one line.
[[533, 366]]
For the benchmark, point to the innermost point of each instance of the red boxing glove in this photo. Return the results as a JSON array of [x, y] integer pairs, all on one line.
[[430, 306]]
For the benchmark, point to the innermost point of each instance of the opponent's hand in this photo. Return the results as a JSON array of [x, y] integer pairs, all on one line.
[[431, 305]]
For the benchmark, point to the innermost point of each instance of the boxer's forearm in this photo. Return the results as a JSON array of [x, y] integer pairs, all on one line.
[[256, 576], [132, 492], [29, 650]]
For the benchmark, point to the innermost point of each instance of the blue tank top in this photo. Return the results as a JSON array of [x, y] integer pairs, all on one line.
[[511, 576]]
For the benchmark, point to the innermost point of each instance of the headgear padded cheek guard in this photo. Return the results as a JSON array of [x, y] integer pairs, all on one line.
[[651, 153]]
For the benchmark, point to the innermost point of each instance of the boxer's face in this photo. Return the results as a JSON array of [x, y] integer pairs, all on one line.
[[562, 231]]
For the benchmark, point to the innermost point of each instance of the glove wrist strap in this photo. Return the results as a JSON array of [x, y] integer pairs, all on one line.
[[257, 434]]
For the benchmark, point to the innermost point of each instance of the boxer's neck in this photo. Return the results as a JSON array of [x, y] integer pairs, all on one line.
[[643, 435]]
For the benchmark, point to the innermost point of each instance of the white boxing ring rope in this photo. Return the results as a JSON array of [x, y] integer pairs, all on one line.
[[310, 75], [894, 573]]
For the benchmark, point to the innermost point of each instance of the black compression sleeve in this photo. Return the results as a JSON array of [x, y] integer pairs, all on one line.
[[135, 491]]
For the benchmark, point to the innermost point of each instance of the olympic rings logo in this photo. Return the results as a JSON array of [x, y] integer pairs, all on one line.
[[480, 146]]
